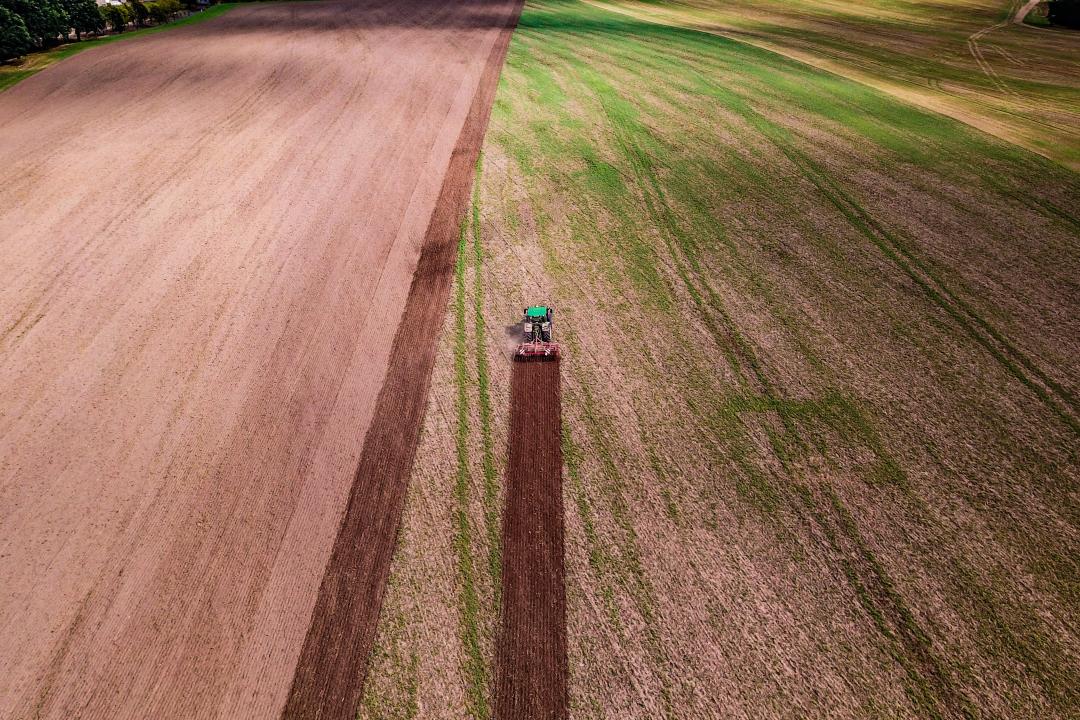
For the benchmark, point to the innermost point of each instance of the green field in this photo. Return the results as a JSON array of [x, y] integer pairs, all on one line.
[[820, 394], [966, 59]]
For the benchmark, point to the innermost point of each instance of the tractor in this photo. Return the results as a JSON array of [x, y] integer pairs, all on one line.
[[536, 324]]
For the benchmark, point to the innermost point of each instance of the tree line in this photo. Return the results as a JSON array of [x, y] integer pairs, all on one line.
[[28, 25]]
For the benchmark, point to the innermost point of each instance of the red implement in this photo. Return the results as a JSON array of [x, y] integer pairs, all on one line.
[[530, 350]]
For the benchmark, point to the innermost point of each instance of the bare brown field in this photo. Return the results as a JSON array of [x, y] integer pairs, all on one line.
[[208, 237], [531, 668], [329, 678]]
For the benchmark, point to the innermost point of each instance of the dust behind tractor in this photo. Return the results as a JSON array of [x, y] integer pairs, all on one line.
[[536, 323]]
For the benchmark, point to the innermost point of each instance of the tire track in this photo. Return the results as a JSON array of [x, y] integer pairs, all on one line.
[[330, 674], [930, 685], [531, 661], [1014, 18], [1005, 351]]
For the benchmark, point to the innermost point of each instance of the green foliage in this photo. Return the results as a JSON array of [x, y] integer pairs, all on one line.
[[83, 16], [162, 11], [45, 20], [1037, 17], [117, 16], [139, 12], [14, 38]]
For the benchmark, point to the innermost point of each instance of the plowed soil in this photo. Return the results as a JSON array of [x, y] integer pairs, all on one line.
[[531, 665], [330, 675], [207, 238]]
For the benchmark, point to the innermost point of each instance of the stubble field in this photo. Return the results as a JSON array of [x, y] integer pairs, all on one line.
[[819, 395], [972, 60]]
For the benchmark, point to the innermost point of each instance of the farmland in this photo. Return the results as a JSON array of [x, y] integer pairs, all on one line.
[[36, 62], [810, 448], [530, 670], [210, 237], [819, 392], [971, 60]]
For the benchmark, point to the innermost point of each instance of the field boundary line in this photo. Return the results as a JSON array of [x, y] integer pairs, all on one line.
[[328, 683]]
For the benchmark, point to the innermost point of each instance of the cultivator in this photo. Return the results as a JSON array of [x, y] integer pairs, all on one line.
[[537, 345]]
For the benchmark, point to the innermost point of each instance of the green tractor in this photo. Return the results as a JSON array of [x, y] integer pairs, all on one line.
[[536, 324]]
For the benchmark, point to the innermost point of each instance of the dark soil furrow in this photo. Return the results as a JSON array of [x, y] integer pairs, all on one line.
[[330, 674], [531, 669]]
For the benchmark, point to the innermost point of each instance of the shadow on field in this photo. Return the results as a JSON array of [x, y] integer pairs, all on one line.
[[318, 16], [331, 15]]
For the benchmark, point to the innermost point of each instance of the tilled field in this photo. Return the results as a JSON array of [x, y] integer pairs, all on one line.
[[207, 238], [531, 668], [330, 673]]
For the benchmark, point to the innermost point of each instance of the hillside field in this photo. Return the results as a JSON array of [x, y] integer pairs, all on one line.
[[972, 60]]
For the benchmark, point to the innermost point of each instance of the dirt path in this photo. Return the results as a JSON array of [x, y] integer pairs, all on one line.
[[531, 664], [980, 58], [976, 51], [1023, 11], [207, 237], [329, 679]]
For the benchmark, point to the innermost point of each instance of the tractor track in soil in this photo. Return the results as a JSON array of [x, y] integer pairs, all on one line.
[[330, 674], [531, 657]]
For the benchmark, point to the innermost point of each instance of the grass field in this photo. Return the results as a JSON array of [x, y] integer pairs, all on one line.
[[963, 58], [36, 62], [820, 394]]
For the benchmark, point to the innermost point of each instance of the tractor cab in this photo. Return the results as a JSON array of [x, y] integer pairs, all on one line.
[[536, 327], [537, 323]]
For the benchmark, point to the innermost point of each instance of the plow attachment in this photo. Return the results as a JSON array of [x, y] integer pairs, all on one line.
[[537, 351]]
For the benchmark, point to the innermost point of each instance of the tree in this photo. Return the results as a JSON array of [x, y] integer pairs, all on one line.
[[83, 16], [45, 19], [162, 11], [14, 39], [118, 16], [138, 12], [172, 8]]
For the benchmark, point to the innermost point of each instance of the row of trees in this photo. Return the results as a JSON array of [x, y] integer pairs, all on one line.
[[27, 25], [119, 17]]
